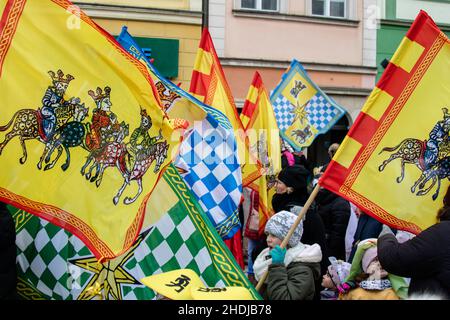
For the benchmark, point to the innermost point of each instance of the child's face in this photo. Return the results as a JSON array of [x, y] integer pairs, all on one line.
[[376, 271], [273, 241], [327, 282]]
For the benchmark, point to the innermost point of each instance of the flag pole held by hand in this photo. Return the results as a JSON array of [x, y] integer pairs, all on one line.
[[291, 231]]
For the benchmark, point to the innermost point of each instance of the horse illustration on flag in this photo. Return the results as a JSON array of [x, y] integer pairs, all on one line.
[[54, 264], [207, 160], [84, 113], [302, 109], [58, 124], [41, 124], [430, 156], [405, 117], [301, 116]]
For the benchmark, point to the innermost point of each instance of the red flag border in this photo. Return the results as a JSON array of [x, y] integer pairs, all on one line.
[[8, 25], [215, 75], [53, 214], [344, 178]]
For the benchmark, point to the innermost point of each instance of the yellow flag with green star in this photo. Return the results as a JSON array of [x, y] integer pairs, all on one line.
[[55, 264]]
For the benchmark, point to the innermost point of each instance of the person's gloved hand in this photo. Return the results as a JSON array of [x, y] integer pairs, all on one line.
[[346, 287], [385, 230], [278, 255]]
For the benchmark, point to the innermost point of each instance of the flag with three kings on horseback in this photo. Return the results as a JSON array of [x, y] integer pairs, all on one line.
[[65, 143]]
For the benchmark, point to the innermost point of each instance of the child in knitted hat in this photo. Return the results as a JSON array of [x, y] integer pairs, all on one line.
[[333, 279], [294, 270], [368, 280]]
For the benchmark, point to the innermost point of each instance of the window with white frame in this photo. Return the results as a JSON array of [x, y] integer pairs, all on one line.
[[329, 8], [265, 5]]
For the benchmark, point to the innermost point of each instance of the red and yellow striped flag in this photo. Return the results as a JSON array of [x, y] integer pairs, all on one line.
[[250, 103], [394, 162], [208, 84], [84, 139], [264, 138]]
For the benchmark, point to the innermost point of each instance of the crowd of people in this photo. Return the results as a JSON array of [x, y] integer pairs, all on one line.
[[335, 252], [339, 252]]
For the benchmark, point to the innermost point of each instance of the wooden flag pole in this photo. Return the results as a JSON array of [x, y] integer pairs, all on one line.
[[291, 231]]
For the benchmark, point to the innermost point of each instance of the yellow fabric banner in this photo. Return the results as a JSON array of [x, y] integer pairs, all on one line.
[[264, 139], [84, 137], [394, 162], [208, 84]]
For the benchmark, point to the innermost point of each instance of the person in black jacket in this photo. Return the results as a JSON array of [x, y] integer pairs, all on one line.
[[291, 195], [8, 273], [335, 213], [425, 258]]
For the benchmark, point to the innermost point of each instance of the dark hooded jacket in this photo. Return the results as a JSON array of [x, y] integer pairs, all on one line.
[[8, 274], [335, 213]]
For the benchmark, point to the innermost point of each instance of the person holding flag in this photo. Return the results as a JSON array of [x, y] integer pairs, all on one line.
[[427, 264], [292, 272], [413, 89]]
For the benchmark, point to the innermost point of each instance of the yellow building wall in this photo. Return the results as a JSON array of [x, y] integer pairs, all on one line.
[[188, 35], [159, 4]]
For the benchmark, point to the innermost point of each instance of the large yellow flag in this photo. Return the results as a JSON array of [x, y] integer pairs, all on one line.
[[208, 84], [84, 139], [394, 162], [264, 138]]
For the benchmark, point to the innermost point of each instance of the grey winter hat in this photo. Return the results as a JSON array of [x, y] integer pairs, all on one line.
[[280, 224]]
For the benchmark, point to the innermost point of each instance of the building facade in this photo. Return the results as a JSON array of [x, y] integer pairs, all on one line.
[[335, 40], [341, 43], [168, 30], [330, 38], [396, 18]]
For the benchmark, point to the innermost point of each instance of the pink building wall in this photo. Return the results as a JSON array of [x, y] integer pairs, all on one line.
[[259, 38], [333, 51], [239, 79]]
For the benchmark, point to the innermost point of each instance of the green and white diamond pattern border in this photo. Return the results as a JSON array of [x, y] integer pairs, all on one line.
[[174, 243]]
